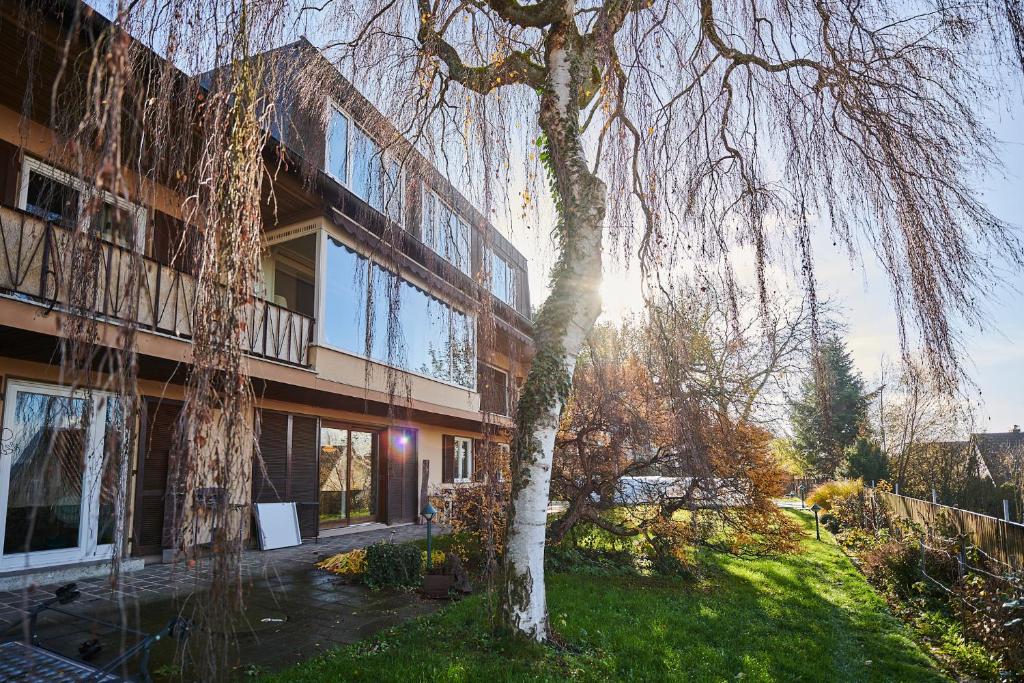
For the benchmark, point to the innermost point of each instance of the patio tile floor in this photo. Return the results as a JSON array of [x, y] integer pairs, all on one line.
[[292, 611]]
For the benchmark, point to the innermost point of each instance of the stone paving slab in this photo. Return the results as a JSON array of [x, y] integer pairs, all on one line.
[[292, 610]]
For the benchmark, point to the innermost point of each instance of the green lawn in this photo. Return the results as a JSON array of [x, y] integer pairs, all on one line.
[[805, 617]]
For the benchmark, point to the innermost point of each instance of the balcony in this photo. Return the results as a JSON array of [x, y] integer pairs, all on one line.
[[37, 259]]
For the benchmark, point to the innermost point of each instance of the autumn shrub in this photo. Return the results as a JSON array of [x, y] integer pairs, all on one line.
[[980, 605], [393, 565], [827, 494], [892, 566]]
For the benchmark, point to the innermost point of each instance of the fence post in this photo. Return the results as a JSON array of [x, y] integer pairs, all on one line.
[[961, 556], [935, 497], [1006, 510], [920, 554], [897, 490]]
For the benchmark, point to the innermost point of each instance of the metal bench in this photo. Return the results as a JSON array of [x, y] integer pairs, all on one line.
[[31, 662]]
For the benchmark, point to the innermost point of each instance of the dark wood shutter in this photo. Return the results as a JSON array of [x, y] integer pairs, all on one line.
[[289, 448], [399, 453], [305, 473], [270, 467], [447, 459], [154, 490], [9, 169]]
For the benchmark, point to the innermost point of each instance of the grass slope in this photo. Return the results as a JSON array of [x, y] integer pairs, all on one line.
[[805, 617]]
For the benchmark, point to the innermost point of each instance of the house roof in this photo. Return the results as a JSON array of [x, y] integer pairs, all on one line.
[[1002, 453]]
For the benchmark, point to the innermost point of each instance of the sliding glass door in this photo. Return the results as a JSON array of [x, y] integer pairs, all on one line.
[[58, 471], [349, 476]]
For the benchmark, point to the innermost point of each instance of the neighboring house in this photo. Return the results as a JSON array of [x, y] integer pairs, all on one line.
[[1001, 455], [331, 432]]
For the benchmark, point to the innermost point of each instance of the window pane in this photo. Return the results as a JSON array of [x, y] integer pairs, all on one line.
[[337, 146], [345, 298], [463, 350], [48, 451], [115, 224], [393, 192], [502, 278], [429, 220], [415, 328], [51, 200], [363, 487], [381, 346], [114, 453], [333, 475], [366, 168]]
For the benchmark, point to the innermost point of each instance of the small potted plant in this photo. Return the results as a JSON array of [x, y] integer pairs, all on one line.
[[436, 581]]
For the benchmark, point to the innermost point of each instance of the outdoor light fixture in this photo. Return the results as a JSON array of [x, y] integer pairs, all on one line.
[[429, 513], [817, 531], [801, 489]]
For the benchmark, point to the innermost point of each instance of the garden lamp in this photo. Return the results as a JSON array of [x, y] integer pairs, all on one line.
[[817, 531], [429, 513], [801, 489]]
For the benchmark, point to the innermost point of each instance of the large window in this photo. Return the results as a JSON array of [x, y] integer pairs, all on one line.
[[59, 197], [352, 158], [445, 232], [503, 278], [372, 312], [58, 474]]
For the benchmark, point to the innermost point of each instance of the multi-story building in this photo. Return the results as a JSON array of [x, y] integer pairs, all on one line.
[[334, 435]]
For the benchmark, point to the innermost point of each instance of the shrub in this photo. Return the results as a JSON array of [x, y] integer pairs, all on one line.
[[569, 557], [893, 566], [392, 565], [827, 494], [830, 522], [982, 610], [352, 563]]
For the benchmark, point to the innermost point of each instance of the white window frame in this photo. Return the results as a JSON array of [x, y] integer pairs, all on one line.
[[467, 471], [88, 548], [31, 165], [385, 157]]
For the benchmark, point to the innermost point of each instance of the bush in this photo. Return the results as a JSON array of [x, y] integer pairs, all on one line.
[[893, 566], [828, 494], [981, 609], [393, 565], [568, 557]]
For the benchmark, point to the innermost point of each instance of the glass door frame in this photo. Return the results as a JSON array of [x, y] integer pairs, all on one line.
[[377, 433], [88, 548]]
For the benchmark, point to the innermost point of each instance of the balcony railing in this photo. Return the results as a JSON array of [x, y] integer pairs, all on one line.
[[37, 258]]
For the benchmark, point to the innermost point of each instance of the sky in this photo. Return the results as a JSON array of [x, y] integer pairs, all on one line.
[[994, 355]]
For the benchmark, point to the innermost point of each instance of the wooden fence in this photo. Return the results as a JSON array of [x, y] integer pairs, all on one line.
[[1002, 540]]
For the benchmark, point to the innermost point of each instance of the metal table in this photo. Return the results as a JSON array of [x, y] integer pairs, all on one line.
[[30, 664]]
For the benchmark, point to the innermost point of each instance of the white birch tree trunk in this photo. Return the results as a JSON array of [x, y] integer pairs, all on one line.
[[560, 328]]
